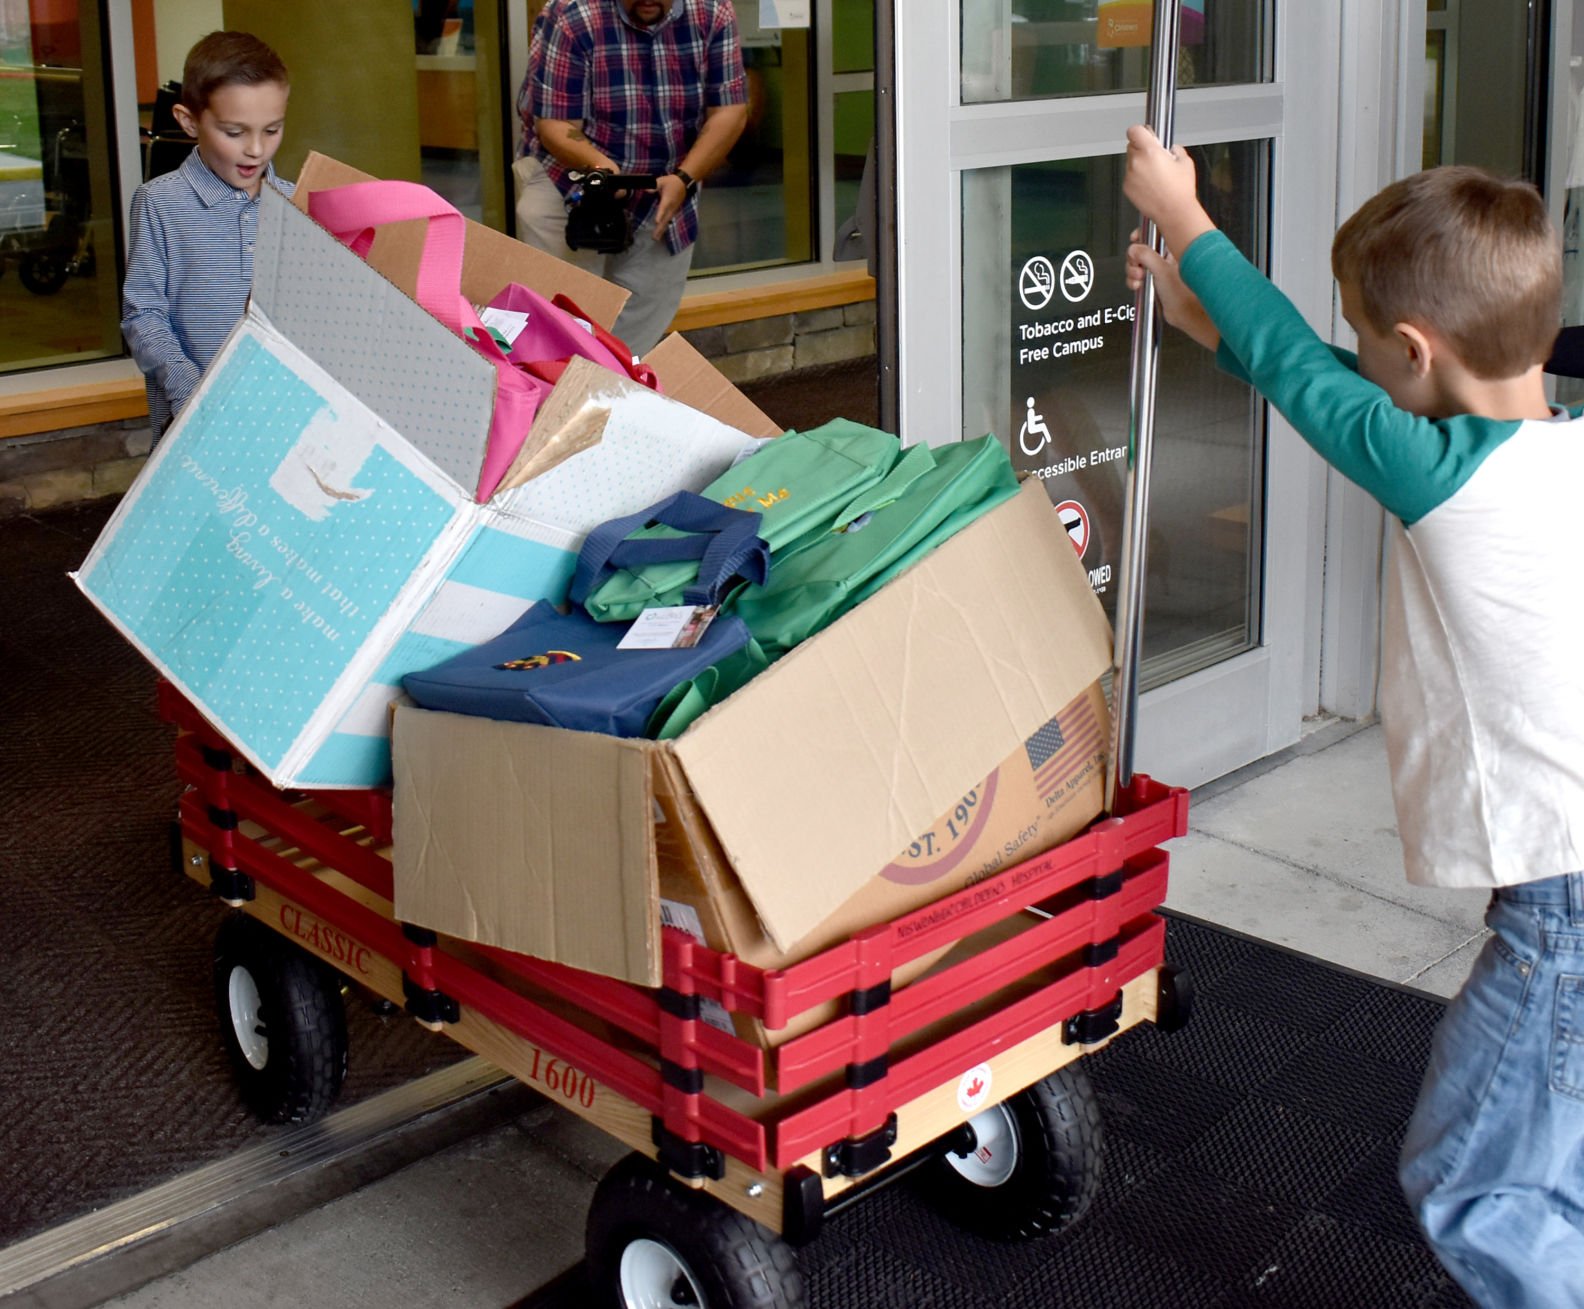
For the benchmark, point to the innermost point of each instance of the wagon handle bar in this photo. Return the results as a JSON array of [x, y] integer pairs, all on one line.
[[1142, 370]]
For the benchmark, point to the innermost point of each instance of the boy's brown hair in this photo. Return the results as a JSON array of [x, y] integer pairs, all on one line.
[[1464, 252], [227, 59]]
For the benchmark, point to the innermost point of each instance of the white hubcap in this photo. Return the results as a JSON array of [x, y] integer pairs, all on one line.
[[246, 1020], [654, 1276], [995, 1156]]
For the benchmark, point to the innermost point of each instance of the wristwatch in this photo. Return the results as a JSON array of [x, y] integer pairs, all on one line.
[[688, 180]]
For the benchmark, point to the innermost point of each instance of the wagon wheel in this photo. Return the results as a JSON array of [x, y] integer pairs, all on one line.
[[282, 1020], [43, 272], [1032, 1165], [655, 1244]]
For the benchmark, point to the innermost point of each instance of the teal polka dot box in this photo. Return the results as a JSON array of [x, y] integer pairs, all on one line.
[[307, 531]]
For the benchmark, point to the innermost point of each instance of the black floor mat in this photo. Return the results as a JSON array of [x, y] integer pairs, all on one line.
[[112, 1076], [1250, 1163]]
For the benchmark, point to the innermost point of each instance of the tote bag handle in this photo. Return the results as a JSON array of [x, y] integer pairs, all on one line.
[[725, 541], [353, 213]]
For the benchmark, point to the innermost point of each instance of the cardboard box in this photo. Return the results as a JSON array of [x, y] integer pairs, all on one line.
[[1039, 795], [803, 784], [306, 533], [1044, 792], [490, 260]]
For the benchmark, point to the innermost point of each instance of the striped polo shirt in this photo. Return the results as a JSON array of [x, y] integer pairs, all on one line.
[[189, 271]]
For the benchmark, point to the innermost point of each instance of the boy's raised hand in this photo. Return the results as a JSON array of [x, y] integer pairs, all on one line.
[[1179, 305], [1161, 183]]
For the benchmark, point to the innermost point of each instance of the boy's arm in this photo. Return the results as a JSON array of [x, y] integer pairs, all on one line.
[[1162, 184], [145, 309], [1409, 464], [1179, 305], [1228, 363]]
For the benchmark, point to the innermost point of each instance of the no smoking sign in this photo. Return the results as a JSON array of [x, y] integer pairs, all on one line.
[[1075, 518]]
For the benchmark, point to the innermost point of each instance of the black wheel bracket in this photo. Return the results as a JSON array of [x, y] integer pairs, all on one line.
[[861, 1154], [230, 884], [1093, 1025], [1174, 998], [429, 1005], [689, 1159]]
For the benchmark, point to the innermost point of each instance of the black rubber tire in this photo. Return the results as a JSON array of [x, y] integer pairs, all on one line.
[[43, 272], [1058, 1136], [301, 1018], [735, 1262]]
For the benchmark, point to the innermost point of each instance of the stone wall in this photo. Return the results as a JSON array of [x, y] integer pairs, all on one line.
[[784, 343], [80, 463], [49, 469]]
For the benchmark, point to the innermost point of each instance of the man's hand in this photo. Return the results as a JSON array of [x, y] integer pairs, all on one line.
[[1180, 306], [672, 195], [723, 124], [1161, 183]]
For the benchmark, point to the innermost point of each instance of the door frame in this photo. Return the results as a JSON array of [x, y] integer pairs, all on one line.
[[1317, 647]]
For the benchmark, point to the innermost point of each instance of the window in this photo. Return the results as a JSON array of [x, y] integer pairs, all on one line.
[[1046, 306], [1038, 49], [59, 291]]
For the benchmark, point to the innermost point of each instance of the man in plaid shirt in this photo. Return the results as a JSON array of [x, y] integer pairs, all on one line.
[[634, 86]]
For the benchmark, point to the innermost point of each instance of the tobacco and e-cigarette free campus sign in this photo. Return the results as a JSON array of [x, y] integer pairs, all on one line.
[[1072, 328]]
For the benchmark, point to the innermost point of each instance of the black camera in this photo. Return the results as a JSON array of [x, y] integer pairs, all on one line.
[[599, 216]]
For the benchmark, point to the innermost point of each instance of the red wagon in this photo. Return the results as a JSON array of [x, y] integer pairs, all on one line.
[[973, 1069]]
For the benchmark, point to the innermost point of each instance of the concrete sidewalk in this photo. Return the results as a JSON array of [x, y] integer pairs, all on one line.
[[1300, 849]]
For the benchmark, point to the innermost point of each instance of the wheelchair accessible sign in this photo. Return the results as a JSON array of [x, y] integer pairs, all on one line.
[[1071, 335]]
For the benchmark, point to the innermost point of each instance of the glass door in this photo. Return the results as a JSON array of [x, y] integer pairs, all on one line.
[[1014, 319], [58, 203]]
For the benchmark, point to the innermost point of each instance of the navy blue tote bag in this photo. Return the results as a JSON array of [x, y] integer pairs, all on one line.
[[564, 670]]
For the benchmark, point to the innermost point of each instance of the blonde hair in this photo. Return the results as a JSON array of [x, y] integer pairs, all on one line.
[[1464, 252]]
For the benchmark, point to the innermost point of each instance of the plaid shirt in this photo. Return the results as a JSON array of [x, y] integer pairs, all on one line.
[[639, 93]]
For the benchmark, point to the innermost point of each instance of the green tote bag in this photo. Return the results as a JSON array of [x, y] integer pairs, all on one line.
[[928, 495], [797, 483]]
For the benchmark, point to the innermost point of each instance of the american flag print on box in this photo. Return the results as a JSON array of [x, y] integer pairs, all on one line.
[[1040, 795], [1063, 752]]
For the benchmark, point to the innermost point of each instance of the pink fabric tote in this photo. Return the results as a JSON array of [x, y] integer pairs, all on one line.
[[557, 330], [553, 334]]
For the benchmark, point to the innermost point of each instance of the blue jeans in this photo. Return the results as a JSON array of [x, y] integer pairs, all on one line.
[[1493, 1162]]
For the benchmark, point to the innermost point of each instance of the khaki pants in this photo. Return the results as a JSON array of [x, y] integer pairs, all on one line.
[[654, 276]]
